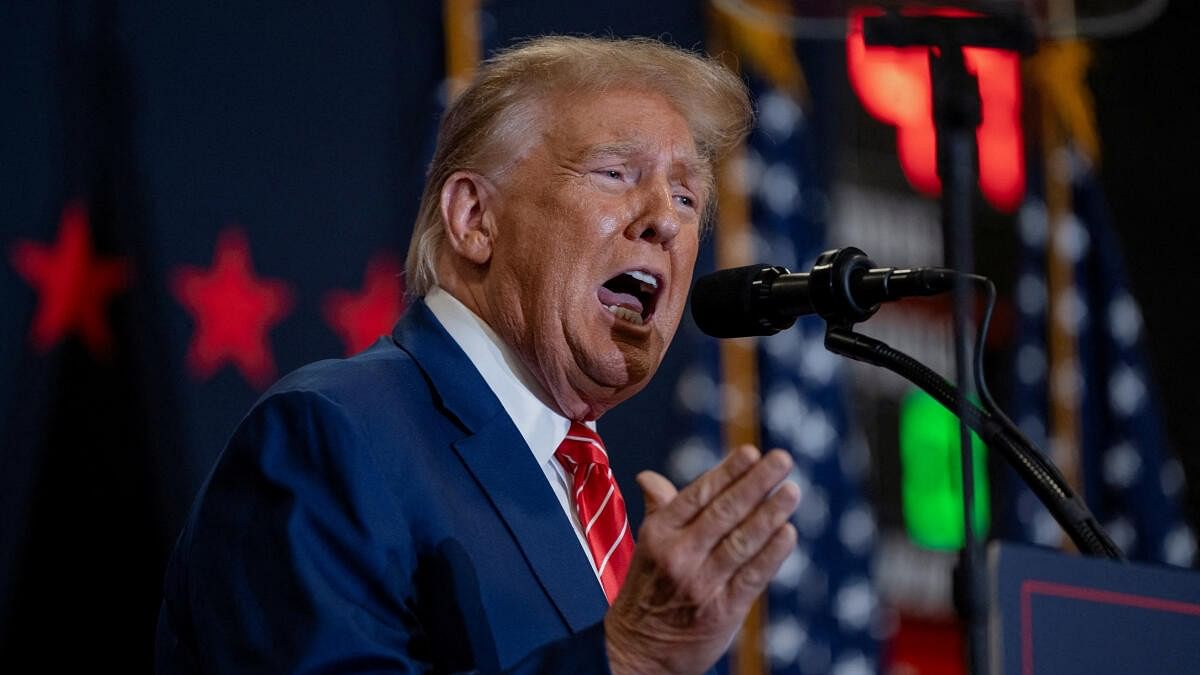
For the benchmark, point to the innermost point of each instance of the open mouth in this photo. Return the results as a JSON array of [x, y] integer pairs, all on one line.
[[631, 296]]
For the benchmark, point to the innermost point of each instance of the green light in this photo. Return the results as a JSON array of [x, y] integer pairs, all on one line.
[[931, 474]]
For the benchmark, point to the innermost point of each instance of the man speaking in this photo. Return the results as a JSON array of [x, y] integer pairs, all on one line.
[[441, 502]]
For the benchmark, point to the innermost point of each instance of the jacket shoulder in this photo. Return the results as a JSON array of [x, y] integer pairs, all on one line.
[[383, 368]]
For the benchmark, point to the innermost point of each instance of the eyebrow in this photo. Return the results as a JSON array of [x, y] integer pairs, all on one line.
[[616, 148], [694, 166]]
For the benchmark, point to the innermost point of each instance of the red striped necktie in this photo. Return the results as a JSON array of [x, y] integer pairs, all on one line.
[[599, 504]]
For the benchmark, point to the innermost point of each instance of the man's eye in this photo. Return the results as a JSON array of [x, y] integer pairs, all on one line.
[[613, 174], [687, 201]]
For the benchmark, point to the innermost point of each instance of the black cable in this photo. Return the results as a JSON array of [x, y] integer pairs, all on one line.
[[985, 394], [989, 422], [1093, 530]]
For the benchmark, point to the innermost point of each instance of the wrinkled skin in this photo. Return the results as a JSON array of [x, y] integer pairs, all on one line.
[[614, 183]]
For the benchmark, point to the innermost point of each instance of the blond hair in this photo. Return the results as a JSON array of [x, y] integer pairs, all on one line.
[[483, 128]]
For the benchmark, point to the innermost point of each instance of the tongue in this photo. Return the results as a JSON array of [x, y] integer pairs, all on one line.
[[608, 297]]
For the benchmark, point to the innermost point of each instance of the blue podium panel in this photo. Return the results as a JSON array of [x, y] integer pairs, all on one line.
[[1055, 614]]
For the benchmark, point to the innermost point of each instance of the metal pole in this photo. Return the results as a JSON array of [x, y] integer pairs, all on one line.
[[957, 116]]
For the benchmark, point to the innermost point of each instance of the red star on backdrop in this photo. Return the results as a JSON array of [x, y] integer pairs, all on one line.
[[74, 285], [233, 310], [360, 318]]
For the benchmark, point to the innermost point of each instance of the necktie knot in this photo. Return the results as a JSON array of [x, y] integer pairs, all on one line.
[[581, 448]]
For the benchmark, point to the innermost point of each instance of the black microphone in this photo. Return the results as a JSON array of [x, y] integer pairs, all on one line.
[[844, 286]]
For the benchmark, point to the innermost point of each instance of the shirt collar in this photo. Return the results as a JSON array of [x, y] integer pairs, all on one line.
[[542, 427]]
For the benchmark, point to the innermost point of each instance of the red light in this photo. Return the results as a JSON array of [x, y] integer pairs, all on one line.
[[893, 85]]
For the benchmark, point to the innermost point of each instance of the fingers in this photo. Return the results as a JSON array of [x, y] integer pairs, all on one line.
[[656, 490], [695, 497], [745, 541], [703, 555], [749, 581], [728, 509]]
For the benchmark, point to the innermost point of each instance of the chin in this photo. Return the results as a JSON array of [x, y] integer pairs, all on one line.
[[605, 380], [612, 359], [634, 371]]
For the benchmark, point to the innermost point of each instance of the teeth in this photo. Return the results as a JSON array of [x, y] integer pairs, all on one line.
[[627, 314], [644, 278]]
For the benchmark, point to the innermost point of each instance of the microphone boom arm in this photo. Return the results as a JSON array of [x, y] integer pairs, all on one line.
[[996, 431], [844, 288]]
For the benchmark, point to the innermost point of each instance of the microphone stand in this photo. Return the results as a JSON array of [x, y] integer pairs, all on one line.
[[844, 288], [998, 433], [996, 430], [957, 115]]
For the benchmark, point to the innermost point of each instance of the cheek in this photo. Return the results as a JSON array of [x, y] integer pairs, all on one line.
[[609, 223], [682, 266], [684, 261], [563, 228]]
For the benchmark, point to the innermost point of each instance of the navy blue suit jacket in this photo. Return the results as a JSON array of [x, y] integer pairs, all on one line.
[[380, 513]]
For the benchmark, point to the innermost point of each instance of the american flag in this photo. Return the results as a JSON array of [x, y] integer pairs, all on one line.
[[1128, 475], [822, 607]]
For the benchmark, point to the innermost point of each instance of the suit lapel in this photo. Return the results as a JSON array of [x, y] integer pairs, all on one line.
[[497, 456]]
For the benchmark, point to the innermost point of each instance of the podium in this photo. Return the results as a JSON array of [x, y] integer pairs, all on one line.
[[1058, 614]]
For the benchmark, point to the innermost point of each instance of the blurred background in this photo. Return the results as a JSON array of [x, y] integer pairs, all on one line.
[[199, 197]]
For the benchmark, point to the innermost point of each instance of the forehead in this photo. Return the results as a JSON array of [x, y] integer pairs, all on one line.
[[621, 122]]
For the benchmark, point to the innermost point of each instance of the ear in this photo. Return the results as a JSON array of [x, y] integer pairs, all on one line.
[[469, 231]]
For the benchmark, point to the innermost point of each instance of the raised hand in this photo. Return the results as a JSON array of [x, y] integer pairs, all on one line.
[[703, 555]]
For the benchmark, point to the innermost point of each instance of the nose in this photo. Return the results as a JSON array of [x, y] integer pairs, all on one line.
[[658, 220]]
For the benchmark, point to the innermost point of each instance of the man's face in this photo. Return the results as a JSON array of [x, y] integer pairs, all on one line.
[[597, 227]]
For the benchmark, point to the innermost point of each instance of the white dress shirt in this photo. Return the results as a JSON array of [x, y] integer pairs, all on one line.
[[542, 427]]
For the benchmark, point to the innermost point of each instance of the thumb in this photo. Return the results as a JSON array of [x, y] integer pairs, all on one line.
[[657, 491]]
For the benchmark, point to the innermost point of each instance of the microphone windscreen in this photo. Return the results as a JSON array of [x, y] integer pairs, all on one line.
[[723, 303]]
